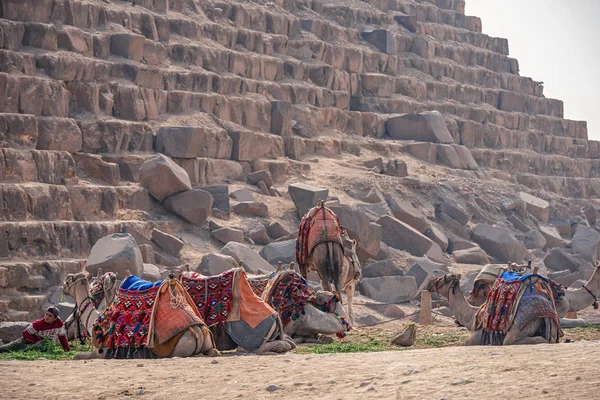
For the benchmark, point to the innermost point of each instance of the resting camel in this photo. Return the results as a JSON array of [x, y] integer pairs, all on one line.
[[448, 286], [325, 315], [103, 290], [193, 341], [331, 254], [573, 300]]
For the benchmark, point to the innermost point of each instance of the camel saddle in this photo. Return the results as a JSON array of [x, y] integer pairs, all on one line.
[[319, 225]]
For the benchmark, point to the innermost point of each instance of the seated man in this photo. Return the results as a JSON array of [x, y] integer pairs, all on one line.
[[48, 327]]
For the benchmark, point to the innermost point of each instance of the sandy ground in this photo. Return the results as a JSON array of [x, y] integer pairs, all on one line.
[[566, 371]]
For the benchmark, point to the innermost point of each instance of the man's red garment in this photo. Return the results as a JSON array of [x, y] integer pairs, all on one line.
[[39, 330]]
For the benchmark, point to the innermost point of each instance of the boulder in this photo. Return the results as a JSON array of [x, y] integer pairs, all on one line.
[[220, 194], [306, 197], [280, 251], [264, 189], [401, 236], [367, 319], [499, 243], [408, 214], [455, 156], [552, 236], [438, 237], [115, 253], [374, 210], [537, 207], [375, 163], [456, 243], [242, 195], [214, 264], [65, 309], [428, 126], [226, 235], [396, 168], [253, 208], [374, 196], [389, 289], [585, 242], [423, 270], [257, 232], [394, 311], [194, 206], [565, 277], [360, 228], [473, 255], [168, 243], [252, 261], [518, 223], [454, 210], [562, 225], [558, 260], [151, 272], [534, 240], [163, 178], [10, 331], [276, 230], [147, 253], [14, 275], [590, 212], [261, 175], [381, 268]]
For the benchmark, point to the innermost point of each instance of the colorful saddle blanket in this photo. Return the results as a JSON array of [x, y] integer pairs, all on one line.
[[516, 299], [319, 225], [145, 314], [288, 293], [228, 301]]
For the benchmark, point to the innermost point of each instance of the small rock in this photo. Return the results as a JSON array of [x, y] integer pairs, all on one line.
[[577, 378], [461, 381], [140, 392], [371, 389], [330, 381], [272, 388], [363, 384], [214, 362], [407, 337], [140, 365]]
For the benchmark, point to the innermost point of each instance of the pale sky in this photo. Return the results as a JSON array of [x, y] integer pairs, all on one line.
[[556, 42]]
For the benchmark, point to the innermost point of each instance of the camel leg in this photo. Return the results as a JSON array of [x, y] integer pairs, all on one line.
[[208, 348], [525, 335], [475, 339], [349, 295]]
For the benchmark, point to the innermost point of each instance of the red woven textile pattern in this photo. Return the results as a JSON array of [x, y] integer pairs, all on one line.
[[212, 295], [319, 225]]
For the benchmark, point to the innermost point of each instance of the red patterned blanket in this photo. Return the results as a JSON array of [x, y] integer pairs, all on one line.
[[212, 295], [319, 225]]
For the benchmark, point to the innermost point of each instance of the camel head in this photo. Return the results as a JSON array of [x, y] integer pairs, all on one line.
[[330, 302], [75, 281], [444, 284]]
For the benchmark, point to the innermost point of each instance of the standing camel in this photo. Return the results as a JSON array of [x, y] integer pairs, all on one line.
[[193, 341], [448, 286], [320, 247]]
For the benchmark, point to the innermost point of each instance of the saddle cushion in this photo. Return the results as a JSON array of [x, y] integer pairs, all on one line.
[[319, 225]]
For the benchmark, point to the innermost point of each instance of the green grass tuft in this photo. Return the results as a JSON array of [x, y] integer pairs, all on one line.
[[45, 349], [341, 347]]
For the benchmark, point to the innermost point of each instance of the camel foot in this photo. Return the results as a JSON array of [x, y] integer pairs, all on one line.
[[212, 352], [325, 339], [91, 355]]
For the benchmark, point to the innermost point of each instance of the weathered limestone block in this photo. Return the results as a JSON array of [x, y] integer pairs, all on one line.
[[115, 253], [367, 234], [128, 45], [306, 197], [163, 178], [18, 131], [401, 236], [95, 167], [206, 171], [250, 146], [537, 207], [59, 134], [192, 205], [192, 142], [52, 167], [426, 126], [499, 243]]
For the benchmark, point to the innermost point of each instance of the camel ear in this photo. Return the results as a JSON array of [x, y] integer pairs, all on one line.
[[458, 276], [127, 274]]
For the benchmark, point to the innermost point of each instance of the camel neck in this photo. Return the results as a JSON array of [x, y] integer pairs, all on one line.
[[85, 306], [581, 298], [464, 312]]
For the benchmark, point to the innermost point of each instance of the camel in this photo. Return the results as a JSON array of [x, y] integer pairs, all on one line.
[[448, 286], [103, 289], [573, 300], [194, 341], [325, 317], [334, 258]]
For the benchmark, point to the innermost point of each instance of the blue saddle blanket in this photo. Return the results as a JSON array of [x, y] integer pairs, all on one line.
[[137, 284], [510, 276]]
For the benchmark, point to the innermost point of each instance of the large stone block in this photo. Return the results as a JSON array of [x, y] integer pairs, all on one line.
[[585, 242], [194, 141], [408, 214], [537, 207], [226, 235], [250, 146], [214, 264], [428, 126], [381, 268], [499, 243], [252, 261], [253, 208], [401, 236], [116, 253], [281, 118], [128, 45], [193, 205], [389, 289], [284, 251], [306, 197], [168, 243], [163, 178], [473, 255], [95, 167], [10, 331], [559, 260], [360, 228], [382, 39], [454, 210], [552, 236], [220, 194], [18, 131]]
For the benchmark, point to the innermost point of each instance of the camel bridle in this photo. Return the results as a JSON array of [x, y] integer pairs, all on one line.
[[80, 309], [453, 280]]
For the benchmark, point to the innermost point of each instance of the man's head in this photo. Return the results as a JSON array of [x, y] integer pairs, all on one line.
[[51, 314]]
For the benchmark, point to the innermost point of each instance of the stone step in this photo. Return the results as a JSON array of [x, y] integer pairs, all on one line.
[[43, 202], [537, 164], [26, 274], [430, 13], [447, 33], [454, 5], [33, 95], [568, 187], [52, 167], [58, 239], [255, 16]]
